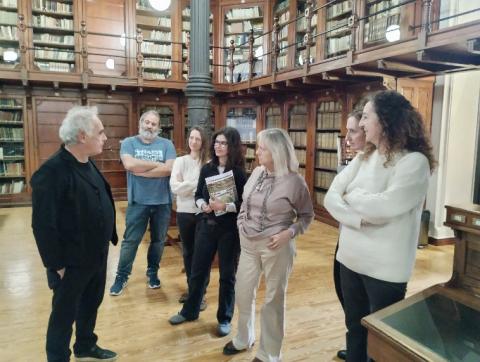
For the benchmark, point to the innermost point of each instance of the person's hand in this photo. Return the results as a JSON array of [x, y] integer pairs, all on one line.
[[206, 208], [217, 205], [279, 240], [61, 273]]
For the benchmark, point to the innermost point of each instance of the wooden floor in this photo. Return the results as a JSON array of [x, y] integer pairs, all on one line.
[[135, 324]]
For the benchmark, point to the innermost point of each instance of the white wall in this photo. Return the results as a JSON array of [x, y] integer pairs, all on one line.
[[455, 122]]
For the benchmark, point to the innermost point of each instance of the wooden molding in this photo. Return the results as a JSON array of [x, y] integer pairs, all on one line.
[[441, 242]]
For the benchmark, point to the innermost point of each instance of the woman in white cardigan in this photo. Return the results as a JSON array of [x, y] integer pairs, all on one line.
[[378, 199], [183, 182]]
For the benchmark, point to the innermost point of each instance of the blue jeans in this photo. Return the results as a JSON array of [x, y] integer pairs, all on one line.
[[137, 218]]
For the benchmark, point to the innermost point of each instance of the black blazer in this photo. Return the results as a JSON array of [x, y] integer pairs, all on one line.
[[210, 169], [67, 217]]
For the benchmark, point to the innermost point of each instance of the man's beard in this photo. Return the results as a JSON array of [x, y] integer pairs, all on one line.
[[148, 135]]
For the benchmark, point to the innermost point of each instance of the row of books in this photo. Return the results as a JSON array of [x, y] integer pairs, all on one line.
[[245, 13], [54, 6], [157, 75], [329, 120], [331, 106], [52, 38], [13, 187], [9, 3], [54, 54], [273, 111], [240, 111], [339, 25], [324, 179], [383, 5], [319, 197], [8, 32], [250, 152], [163, 64], [8, 17], [298, 121], [299, 139], [250, 165], [339, 8], [11, 150], [11, 168], [302, 24], [282, 61], [327, 140], [8, 102], [50, 22], [244, 26], [338, 45], [376, 28], [274, 121], [327, 160], [164, 22], [6, 116], [285, 17], [55, 67], [301, 156], [154, 48], [11, 134], [159, 35]]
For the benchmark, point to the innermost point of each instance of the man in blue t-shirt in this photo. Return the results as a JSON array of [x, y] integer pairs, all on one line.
[[148, 160]]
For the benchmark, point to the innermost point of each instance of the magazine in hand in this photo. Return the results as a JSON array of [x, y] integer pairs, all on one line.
[[222, 187]]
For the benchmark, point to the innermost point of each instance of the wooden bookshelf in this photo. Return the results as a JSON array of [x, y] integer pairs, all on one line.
[[282, 11], [244, 119], [338, 36], [297, 128], [9, 44], [273, 116], [301, 31], [327, 130], [156, 48], [53, 35], [12, 149], [238, 23]]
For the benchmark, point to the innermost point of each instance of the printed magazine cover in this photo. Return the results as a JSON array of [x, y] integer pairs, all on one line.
[[222, 187]]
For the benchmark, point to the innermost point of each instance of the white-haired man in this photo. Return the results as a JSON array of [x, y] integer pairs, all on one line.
[[148, 160], [73, 220]]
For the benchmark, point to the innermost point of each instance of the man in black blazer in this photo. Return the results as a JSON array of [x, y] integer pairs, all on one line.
[[73, 220]]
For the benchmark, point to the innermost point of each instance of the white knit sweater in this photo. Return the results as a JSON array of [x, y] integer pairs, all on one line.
[[189, 169], [391, 200]]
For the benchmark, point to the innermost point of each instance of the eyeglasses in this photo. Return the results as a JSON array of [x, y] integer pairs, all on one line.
[[220, 143]]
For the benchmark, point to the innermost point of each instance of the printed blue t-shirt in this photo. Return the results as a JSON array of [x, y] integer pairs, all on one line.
[[143, 190]]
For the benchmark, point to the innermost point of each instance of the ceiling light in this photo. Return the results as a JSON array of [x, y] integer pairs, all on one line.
[[160, 5], [393, 33]]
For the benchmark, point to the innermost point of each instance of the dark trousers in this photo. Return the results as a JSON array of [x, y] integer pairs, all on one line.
[[211, 238], [336, 277], [364, 295], [76, 298]]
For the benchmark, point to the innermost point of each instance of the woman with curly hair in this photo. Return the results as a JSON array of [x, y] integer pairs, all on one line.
[[217, 232], [378, 199]]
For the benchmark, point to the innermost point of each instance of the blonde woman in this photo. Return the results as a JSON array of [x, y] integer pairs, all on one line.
[[183, 182], [276, 208]]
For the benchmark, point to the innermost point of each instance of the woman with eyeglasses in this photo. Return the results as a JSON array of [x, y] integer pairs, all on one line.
[[217, 232], [378, 198], [276, 209]]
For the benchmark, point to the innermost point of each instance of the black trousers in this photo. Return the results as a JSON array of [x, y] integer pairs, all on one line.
[[336, 277], [76, 298], [211, 238], [364, 295]]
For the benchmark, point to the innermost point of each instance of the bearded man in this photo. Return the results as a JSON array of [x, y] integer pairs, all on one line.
[[148, 160]]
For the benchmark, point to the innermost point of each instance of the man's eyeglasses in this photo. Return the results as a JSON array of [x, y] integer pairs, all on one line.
[[220, 143]]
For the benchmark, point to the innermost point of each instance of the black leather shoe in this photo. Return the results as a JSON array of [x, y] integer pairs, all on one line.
[[96, 354], [229, 349], [342, 354]]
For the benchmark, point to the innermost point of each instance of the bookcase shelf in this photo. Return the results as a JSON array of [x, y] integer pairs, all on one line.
[[282, 11], [53, 35], [327, 131], [338, 36], [300, 31], [9, 33], [297, 129], [273, 117], [244, 119], [12, 147], [376, 26], [156, 47], [238, 22]]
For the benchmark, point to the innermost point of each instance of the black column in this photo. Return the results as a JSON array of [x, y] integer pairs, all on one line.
[[199, 88]]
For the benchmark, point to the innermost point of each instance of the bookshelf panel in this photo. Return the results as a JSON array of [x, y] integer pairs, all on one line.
[[338, 34], [244, 119], [273, 117], [297, 128], [9, 42]]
